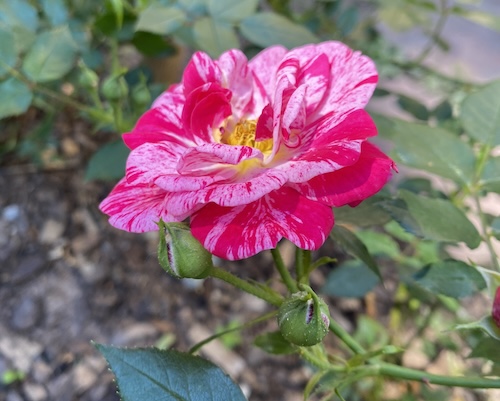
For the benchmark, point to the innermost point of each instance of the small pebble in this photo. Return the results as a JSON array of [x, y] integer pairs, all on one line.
[[26, 314], [11, 213]]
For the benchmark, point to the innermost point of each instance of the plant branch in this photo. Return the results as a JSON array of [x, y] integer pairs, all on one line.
[[284, 273], [343, 335], [267, 295]]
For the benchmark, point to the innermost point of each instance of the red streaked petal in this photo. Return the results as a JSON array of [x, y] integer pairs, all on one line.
[[264, 66], [495, 312], [135, 208], [243, 231], [200, 70], [352, 184]]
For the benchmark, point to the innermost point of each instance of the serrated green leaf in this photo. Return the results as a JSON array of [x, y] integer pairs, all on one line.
[[352, 245], [108, 163], [153, 374], [480, 114], [487, 348], [351, 279], [15, 97], [19, 13], [439, 220], [230, 10], [214, 37], [267, 29], [490, 179], [452, 278], [274, 343], [55, 11], [486, 324], [160, 19], [51, 56], [8, 51], [423, 147]]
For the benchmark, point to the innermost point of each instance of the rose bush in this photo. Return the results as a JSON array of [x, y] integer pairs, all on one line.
[[254, 151]]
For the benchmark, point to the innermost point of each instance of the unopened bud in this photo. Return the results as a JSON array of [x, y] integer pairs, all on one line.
[[303, 319], [114, 88], [495, 312], [181, 254], [87, 78]]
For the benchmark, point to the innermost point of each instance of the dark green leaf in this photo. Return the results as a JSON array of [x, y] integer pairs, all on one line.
[[230, 10], [108, 163], [439, 220], [413, 107], [152, 45], [51, 56], [160, 19], [8, 51], [214, 37], [55, 11], [451, 278], [117, 8], [274, 343], [398, 210], [351, 279], [480, 114], [368, 213], [15, 97], [490, 179], [443, 111], [153, 374], [486, 324], [267, 29], [423, 147], [488, 349], [353, 245]]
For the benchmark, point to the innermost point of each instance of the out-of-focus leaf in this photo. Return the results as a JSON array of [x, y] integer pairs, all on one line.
[[367, 214], [378, 243], [8, 54], [490, 179], [274, 343], [487, 348], [214, 37], [152, 45], [351, 279], [492, 279], [55, 11], [160, 19], [267, 29], [51, 56], [452, 278], [423, 147], [230, 10], [15, 97], [495, 227], [436, 219], [108, 163], [443, 111], [347, 20], [153, 374], [480, 114], [370, 333], [19, 13], [353, 245], [413, 107], [488, 20], [118, 10]]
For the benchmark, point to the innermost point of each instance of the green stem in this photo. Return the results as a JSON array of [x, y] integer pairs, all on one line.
[[317, 362], [343, 335], [302, 265], [284, 273], [399, 372], [259, 319], [267, 294]]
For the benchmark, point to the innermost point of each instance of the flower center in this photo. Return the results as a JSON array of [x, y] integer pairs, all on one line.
[[243, 134]]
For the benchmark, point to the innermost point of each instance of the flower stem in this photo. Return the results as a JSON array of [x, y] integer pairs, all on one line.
[[266, 294], [343, 335], [302, 265], [284, 273], [399, 372]]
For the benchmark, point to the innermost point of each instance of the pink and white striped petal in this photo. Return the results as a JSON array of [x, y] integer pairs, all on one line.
[[240, 232], [136, 208], [351, 184], [200, 70], [264, 66]]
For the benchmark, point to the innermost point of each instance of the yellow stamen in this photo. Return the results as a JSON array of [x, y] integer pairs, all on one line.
[[243, 134]]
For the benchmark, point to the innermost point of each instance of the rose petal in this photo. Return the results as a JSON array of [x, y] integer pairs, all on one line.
[[200, 70], [352, 184], [136, 208], [240, 232], [264, 66]]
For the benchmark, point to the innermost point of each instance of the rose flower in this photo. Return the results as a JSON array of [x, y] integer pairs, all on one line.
[[254, 151]]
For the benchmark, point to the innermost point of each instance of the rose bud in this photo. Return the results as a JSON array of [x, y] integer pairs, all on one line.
[[495, 312], [180, 254], [114, 88], [303, 319]]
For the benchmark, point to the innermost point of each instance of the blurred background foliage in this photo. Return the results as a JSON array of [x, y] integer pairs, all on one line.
[[106, 61]]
